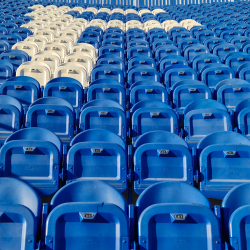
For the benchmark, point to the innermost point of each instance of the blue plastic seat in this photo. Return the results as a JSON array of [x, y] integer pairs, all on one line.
[[105, 71], [214, 73], [223, 161], [141, 61], [176, 73], [232, 91], [158, 36], [135, 31], [160, 42], [24, 88], [223, 49], [154, 31], [159, 156], [98, 154], [184, 42], [11, 114], [202, 117], [115, 42], [23, 32], [147, 90], [239, 41], [104, 114], [171, 60], [243, 71], [15, 57], [196, 29], [235, 59], [174, 30], [135, 36], [11, 39], [67, 89], [34, 156], [95, 29], [54, 114], [91, 34], [113, 35], [202, 60], [110, 60], [20, 209], [205, 34], [212, 42], [4, 46], [107, 89], [192, 51], [80, 219], [229, 34], [6, 70], [147, 116], [235, 212], [138, 51], [179, 36], [137, 42], [166, 50], [112, 50], [169, 212], [187, 91], [142, 73]]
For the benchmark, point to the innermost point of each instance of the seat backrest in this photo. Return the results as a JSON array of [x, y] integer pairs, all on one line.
[[97, 192], [165, 192]]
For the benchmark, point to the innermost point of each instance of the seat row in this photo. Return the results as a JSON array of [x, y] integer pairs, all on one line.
[[91, 213]]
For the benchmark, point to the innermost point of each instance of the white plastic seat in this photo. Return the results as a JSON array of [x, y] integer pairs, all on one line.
[[144, 11], [63, 19], [69, 17], [156, 11], [69, 33], [51, 58], [38, 22], [128, 27], [118, 10], [64, 8], [133, 22], [86, 48], [30, 48], [31, 27], [94, 21], [67, 41], [76, 29], [56, 29], [81, 20], [168, 22], [59, 48], [187, 21], [32, 14], [39, 14], [79, 26], [38, 70], [104, 10], [82, 58], [151, 22], [60, 24], [36, 7], [92, 9], [131, 11], [50, 34], [39, 40], [73, 70], [51, 17], [116, 22], [79, 9]]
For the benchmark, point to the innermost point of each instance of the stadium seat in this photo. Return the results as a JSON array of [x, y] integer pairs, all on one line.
[[66, 88], [54, 114], [107, 89], [34, 156], [223, 49], [205, 116], [223, 156], [100, 213], [25, 89], [98, 154], [148, 116], [20, 209], [104, 114], [186, 91], [159, 156], [189, 215]]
